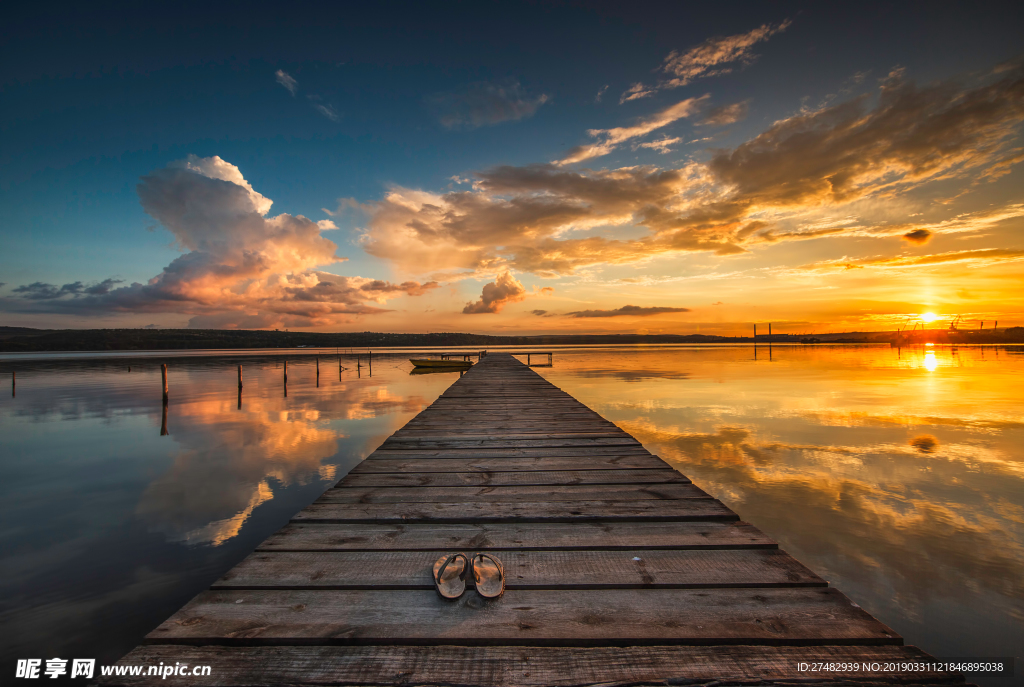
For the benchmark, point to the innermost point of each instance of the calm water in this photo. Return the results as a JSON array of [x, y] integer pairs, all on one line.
[[896, 475]]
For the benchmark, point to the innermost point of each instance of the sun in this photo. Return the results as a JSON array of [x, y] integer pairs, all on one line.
[[929, 317]]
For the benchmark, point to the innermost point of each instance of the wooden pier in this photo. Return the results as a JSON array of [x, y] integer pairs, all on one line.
[[619, 570]]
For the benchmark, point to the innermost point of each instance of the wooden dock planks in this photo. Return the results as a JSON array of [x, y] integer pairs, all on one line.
[[619, 570]]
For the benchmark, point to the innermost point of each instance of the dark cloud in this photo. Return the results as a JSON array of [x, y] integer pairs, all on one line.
[[496, 295], [925, 443], [484, 104], [626, 310], [540, 313], [42, 291], [354, 290], [918, 237]]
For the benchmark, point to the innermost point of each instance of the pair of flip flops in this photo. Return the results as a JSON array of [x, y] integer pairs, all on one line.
[[450, 572]]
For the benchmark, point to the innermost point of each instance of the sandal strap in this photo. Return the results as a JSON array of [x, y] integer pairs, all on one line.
[[462, 575], [501, 568]]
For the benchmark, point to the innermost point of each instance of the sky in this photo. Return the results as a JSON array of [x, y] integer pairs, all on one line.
[[500, 168]]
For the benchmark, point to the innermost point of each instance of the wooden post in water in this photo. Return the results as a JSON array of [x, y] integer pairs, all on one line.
[[527, 359], [14, 384], [239, 377], [163, 373], [318, 371], [286, 372], [755, 335], [163, 420]]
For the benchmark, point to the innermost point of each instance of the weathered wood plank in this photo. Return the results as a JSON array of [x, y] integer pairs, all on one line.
[[273, 666], [638, 569], [512, 494], [526, 617], [506, 436], [477, 431], [636, 461], [557, 452], [534, 478], [398, 443], [444, 417], [517, 536], [559, 511], [438, 413]]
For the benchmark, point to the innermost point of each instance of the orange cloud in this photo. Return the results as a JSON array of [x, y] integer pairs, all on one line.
[[713, 57], [611, 138], [496, 295], [727, 114]]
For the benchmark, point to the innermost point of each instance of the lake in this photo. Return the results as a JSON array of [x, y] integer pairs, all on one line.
[[897, 475]]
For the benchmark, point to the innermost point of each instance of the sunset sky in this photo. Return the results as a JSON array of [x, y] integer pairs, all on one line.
[[511, 167]]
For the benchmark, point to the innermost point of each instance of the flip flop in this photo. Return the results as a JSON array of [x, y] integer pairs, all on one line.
[[489, 575], [452, 584]]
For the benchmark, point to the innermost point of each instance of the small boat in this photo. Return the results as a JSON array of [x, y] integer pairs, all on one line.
[[438, 370], [451, 364]]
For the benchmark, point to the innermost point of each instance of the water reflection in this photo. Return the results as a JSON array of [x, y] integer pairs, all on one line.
[[117, 506], [897, 475]]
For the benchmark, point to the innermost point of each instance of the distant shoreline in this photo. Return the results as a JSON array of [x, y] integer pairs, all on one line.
[[24, 339]]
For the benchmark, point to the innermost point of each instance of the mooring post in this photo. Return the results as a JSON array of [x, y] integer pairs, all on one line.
[[755, 335], [318, 370], [286, 372], [163, 420], [551, 359], [239, 378], [527, 359], [163, 373], [14, 383]]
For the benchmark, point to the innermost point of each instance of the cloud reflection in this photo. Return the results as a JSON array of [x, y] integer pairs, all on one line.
[[863, 468], [229, 463]]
